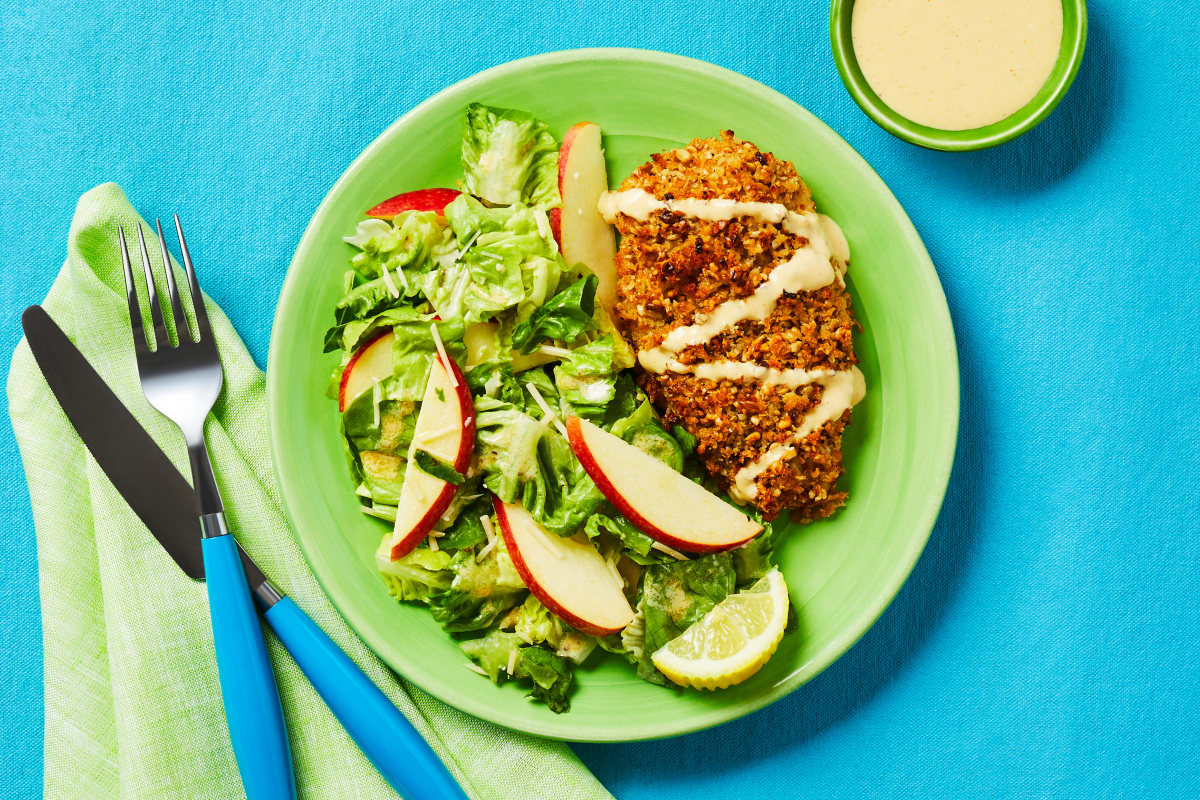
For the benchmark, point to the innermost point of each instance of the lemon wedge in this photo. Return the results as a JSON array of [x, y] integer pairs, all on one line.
[[731, 642]]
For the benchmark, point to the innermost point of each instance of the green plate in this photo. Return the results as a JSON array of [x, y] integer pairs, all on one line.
[[842, 572]]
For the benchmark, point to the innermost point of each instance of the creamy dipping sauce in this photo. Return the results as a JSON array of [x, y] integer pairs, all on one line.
[[956, 64]]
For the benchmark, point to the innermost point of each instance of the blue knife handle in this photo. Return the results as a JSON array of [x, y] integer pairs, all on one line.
[[252, 708], [386, 737]]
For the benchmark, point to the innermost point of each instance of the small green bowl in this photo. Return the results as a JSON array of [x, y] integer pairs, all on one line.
[[1070, 55]]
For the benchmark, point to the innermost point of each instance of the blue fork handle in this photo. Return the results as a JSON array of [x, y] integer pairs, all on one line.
[[252, 708], [386, 737]]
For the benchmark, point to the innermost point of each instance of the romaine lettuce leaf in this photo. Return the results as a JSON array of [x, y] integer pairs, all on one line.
[[678, 594], [467, 530], [638, 545], [564, 316], [756, 557], [509, 156], [506, 446], [508, 258], [416, 576], [405, 246], [524, 460], [535, 624], [413, 352], [586, 379], [491, 652], [462, 612], [551, 675]]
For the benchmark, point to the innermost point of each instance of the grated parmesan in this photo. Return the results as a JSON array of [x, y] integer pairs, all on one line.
[[550, 417], [389, 283], [669, 551], [441, 348]]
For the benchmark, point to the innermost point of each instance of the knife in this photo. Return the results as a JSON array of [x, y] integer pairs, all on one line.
[[164, 501]]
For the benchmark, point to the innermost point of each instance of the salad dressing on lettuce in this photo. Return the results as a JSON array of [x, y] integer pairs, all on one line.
[[488, 276]]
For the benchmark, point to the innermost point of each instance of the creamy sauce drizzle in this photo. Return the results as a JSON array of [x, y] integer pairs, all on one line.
[[839, 392], [821, 262]]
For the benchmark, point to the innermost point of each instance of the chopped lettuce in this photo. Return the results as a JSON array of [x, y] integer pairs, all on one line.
[[586, 379], [416, 576], [756, 557], [678, 594], [492, 651], [551, 676], [549, 672], [638, 546], [467, 529], [535, 624], [508, 157], [406, 245], [657, 443], [564, 316], [481, 591], [508, 259]]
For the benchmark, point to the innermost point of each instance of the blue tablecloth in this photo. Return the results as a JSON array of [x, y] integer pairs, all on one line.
[[1044, 646]]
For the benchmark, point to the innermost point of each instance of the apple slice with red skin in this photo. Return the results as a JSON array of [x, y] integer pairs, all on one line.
[[583, 235], [662, 503], [370, 363], [419, 200], [446, 430], [569, 576]]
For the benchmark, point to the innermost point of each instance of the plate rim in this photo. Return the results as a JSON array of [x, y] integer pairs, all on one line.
[[944, 460]]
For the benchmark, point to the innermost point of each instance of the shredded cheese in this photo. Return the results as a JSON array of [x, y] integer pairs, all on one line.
[[433, 543], [550, 417], [466, 247], [669, 551], [389, 283], [543, 226], [512, 662], [376, 398], [557, 352], [486, 522], [475, 668], [487, 548], [441, 348]]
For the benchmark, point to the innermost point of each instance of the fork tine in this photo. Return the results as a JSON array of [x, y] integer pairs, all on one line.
[[203, 331], [160, 326], [135, 310], [181, 320]]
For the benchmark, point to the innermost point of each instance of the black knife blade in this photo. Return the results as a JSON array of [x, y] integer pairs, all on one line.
[[137, 467]]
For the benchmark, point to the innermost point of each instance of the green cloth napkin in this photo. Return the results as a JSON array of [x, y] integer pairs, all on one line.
[[133, 708]]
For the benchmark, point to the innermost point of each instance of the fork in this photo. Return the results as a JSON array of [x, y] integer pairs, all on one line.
[[182, 381]]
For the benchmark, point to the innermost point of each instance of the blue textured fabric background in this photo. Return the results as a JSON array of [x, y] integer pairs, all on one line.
[[1045, 646]]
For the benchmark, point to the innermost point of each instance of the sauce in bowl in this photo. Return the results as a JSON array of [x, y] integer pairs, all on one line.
[[956, 64]]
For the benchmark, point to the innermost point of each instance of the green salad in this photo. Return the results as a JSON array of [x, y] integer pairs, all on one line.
[[476, 275]]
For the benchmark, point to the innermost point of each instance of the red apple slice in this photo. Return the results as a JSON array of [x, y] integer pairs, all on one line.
[[569, 576], [420, 200], [446, 430], [582, 233], [371, 362], [665, 505]]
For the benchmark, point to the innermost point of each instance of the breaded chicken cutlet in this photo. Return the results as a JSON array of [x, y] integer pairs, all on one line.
[[730, 288]]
